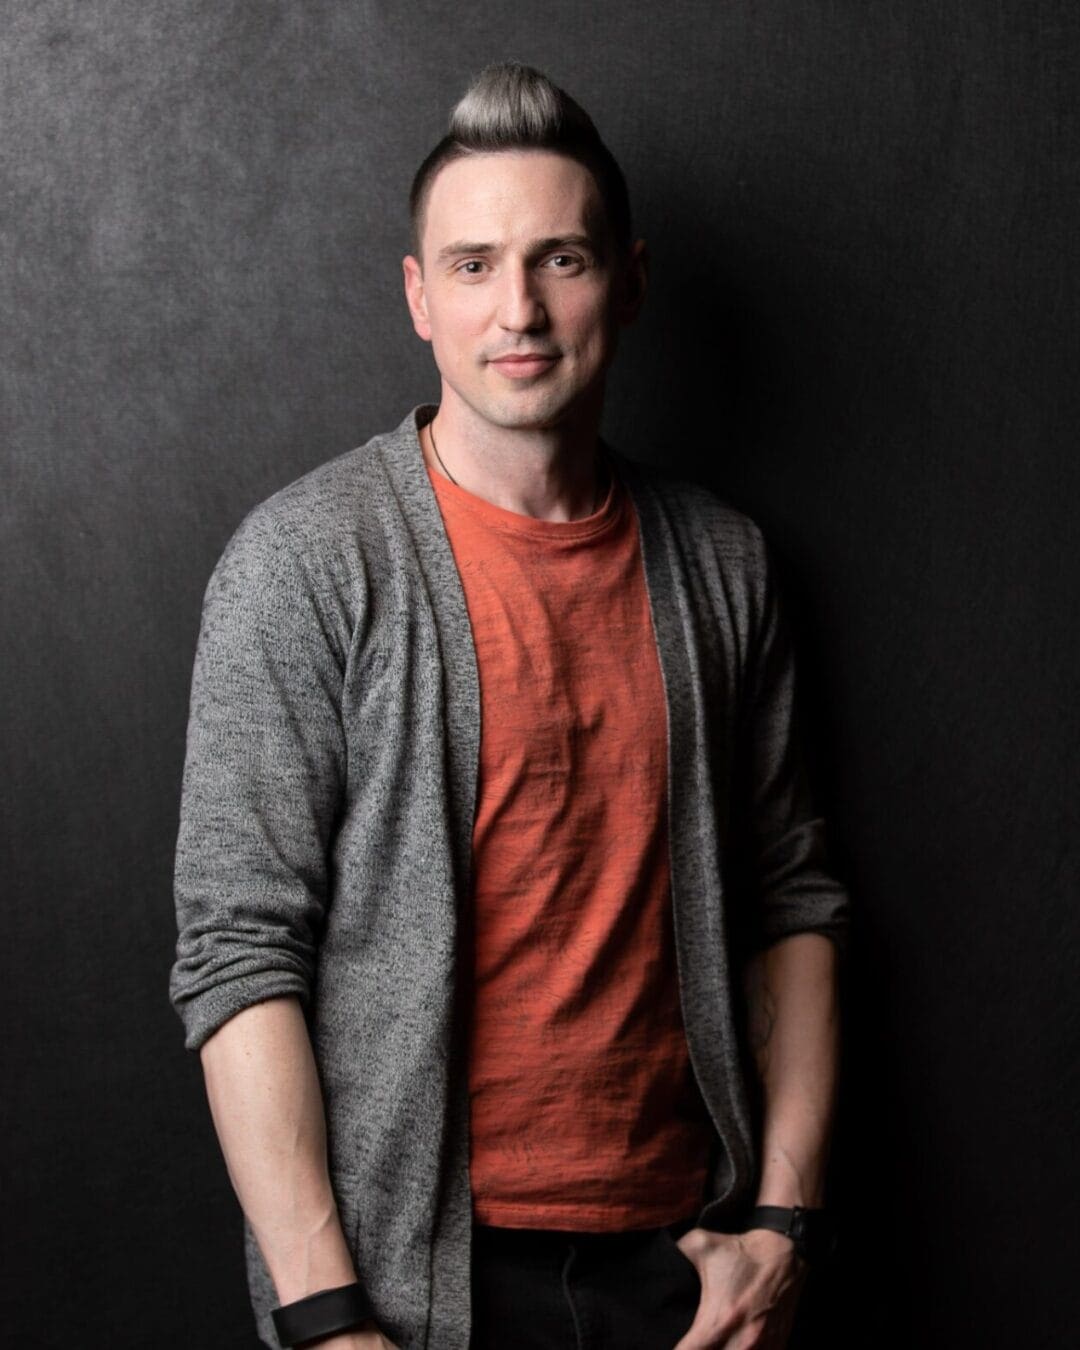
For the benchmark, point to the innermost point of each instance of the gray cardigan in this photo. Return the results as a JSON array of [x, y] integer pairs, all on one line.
[[326, 825]]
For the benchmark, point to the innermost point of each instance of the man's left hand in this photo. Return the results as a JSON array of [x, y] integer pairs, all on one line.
[[750, 1284]]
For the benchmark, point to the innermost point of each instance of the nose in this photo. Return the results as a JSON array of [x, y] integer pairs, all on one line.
[[521, 309]]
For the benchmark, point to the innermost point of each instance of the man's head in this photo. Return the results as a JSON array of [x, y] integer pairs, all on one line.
[[522, 245], [513, 107]]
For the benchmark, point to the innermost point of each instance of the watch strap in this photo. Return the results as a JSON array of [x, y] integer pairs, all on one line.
[[812, 1231], [321, 1314]]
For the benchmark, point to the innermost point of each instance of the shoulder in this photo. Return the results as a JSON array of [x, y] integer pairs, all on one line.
[[305, 563], [320, 511], [321, 529], [702, 522]]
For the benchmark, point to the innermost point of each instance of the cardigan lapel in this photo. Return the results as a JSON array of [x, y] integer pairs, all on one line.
[[697, 896], [404, 460]]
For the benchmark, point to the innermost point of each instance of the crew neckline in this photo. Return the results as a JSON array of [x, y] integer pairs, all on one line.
[[514, 522]]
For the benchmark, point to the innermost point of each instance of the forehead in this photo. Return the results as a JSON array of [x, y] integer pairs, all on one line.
[[511, 196]]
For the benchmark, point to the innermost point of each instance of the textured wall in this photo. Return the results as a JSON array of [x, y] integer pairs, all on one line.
[[862, 329]]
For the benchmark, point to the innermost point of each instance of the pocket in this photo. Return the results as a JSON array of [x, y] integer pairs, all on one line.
[[671, 1240]]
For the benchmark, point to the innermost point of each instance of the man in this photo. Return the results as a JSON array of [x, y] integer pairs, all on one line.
[[506, 934]]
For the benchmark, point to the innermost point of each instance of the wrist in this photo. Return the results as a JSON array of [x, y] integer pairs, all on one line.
[[784, 1183], [360, 1339], [812, 1232], [328, 1316], [766, 1244], [318, 1259]]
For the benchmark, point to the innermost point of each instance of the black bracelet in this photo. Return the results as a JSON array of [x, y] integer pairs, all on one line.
[[812, 1231], [321, 1314]]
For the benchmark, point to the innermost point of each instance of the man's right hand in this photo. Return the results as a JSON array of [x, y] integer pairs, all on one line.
[[355, 1340], [369, 1337]]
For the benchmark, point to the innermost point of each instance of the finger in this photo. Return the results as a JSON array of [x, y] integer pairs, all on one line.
[[696, 1340], [706, 1332], [750, 1336]]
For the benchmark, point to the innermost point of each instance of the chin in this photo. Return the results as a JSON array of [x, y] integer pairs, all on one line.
[[533, 410]]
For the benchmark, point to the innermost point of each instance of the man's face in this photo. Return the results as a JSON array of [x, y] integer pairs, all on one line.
[[517, 261]]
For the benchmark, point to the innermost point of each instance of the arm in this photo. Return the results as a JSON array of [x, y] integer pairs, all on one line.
[[794, 927], [267, 1108], [791, 992], [753, 1278], [263, 786]]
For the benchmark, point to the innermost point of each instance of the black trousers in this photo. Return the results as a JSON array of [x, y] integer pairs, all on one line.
[[548, 1289]]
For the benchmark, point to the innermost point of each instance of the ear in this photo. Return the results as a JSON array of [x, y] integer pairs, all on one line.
[[416, 296], [633, 282]]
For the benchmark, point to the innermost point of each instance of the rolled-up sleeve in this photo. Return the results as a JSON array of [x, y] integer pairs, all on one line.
[[263, 781], [790, 883]]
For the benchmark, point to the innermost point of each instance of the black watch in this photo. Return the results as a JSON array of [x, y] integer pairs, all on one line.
[[812, 1231]]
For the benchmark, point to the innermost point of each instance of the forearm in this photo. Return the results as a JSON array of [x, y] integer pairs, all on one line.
[[267, 1107], [795, 1035]]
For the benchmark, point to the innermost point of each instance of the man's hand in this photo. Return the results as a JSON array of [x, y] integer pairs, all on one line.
[[750, 1284], [355, 1340]]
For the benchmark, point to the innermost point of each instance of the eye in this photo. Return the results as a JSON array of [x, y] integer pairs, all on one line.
[[570, 261], [471, 262]]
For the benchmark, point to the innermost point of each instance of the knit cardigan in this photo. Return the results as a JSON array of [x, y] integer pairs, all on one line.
[[326, 824]]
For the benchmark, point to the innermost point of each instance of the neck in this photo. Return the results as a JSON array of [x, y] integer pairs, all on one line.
[[549, 473]]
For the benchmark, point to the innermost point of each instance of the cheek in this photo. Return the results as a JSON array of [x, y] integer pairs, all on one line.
[[588, 319], [593, 334], [456, 323]]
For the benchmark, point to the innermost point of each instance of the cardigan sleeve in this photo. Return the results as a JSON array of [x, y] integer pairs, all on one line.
[[263, 781], [790, 881]]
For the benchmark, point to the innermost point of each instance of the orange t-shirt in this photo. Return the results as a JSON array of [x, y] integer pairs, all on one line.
[[584, 1110]]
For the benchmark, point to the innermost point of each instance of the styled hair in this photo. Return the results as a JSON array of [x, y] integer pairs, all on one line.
[[514, 107]]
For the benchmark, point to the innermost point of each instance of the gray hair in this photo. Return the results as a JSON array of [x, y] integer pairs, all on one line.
[[510, 106]]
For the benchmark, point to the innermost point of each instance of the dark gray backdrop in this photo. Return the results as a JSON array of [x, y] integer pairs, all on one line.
[[862, 330]]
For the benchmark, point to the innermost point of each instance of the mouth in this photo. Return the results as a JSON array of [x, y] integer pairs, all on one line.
[[525, 364]]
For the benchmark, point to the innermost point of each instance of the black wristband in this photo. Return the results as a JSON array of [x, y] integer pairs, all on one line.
[[321, 1314], [812, 1231]]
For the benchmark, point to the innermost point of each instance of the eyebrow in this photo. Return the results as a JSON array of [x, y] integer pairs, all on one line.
[[462, 246]]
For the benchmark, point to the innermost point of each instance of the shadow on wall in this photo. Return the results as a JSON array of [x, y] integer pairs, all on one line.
[[734, 373], [740, 375]]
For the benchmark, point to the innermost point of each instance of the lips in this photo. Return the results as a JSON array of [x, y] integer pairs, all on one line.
[[524, 363]]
